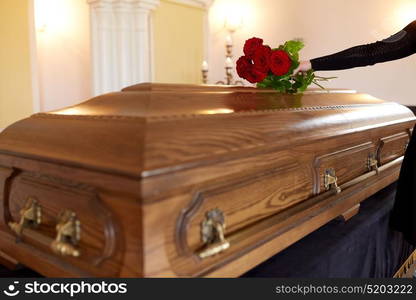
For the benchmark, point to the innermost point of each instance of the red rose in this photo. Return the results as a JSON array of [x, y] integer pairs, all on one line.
[[253, 75], [261, 58], [243, 65], [280, 62], [246, 70], [251, 45]]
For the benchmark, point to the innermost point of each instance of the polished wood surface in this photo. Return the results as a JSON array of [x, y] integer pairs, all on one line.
[[142, 168], [351, 212], [8, 261], [408, 269]]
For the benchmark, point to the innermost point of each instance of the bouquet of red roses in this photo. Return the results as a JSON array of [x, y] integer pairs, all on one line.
[[273, 68]]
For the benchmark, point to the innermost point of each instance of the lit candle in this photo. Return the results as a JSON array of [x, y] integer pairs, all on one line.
[[228, 62], [229, 40], [204, 66]]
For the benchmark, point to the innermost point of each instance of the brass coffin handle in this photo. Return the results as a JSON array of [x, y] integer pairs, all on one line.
[[331, 181], [372, 163], [212, 234], [68, 234], [30, 217]]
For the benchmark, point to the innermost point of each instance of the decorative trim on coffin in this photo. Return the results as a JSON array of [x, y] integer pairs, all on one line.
[[403, 271], [189, 116]]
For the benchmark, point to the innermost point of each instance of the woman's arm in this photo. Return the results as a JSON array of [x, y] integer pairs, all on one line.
[[397, 46]]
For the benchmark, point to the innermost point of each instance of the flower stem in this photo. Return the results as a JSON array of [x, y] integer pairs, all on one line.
[[315, 82]]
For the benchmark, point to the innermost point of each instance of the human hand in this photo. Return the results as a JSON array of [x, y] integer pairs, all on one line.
[[304, 66]]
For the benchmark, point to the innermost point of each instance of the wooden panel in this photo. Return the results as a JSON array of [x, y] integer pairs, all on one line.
[[118, 194], [392, 147], [98, 241], [244, 201], [348, 164]]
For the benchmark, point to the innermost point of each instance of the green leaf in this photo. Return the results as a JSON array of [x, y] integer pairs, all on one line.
[[293, 47], [261, 85]]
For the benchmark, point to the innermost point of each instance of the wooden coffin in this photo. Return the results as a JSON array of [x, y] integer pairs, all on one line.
[[177, 180]]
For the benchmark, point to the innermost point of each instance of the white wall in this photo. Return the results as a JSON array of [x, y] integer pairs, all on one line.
[[63, 47], [326, 26]]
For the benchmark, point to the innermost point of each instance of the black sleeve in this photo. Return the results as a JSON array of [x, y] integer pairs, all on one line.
[[399, 45]]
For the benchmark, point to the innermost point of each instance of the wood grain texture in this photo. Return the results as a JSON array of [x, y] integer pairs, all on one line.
[[350, 212], [98, 234], [392, 147], [347, 163], [141, 168], [8, 261]]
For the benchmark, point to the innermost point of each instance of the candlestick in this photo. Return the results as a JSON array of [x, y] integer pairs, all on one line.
[[228, 62], [228, 41], [229, 66], [204, 72], [204, 66]]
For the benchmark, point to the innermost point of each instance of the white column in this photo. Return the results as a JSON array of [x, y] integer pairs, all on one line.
[[120, 43]]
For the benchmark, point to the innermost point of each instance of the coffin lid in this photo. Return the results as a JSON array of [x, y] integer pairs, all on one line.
[[149, 129]]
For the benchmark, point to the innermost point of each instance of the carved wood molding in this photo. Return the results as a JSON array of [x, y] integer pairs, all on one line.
[[5, 176], [189, 116]]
